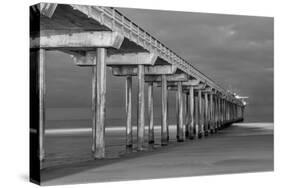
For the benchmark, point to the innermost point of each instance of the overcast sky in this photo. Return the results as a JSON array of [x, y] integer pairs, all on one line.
[[234, 51]]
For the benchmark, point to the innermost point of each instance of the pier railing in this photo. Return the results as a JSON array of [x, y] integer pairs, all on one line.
[[116, 21]]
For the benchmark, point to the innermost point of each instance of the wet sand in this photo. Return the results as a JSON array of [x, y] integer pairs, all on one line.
[[239, 148]]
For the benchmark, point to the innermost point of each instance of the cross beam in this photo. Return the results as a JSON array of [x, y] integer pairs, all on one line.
[[123, 61], [57, 39], [170, 78], [148, 70]]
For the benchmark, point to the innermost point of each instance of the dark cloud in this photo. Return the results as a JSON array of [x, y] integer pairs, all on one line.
[[235, 51]]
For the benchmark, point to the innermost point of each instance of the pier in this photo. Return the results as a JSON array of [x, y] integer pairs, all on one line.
[[97, 37]]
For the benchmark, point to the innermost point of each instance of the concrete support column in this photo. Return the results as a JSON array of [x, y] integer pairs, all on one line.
[[177, 115], [242, 112], [196, 115], [233, 108], [129, 132], [203, 114], [164, 111], [200, 114], [94, 81], [222, 112], [226, 111], [42, 113], [211, 113], [150, 114], [215, 113], [184, 100], [168, 133], [100, 103], [237, 111], [180, 112], [206, 112], [191, 113], [231, 111], [37, 91], [219, 112], [140, 128], [187, 118], [221, 105]]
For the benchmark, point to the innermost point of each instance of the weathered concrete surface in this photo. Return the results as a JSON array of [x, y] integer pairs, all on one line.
[[239, 148]]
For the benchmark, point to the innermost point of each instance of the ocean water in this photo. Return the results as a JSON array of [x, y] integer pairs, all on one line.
[[82, 123], [69, 142]]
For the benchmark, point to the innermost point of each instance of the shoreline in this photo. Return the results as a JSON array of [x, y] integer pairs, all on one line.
[[88, 130], [235, 149]]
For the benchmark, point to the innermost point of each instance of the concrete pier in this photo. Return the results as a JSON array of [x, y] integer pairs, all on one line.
[[150, 113], [100, 103], [104, 40], [164, 103], [129, 131]]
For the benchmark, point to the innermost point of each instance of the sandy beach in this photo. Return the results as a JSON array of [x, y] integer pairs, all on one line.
[[243, 147]]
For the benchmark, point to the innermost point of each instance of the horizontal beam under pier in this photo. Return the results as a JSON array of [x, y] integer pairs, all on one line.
[[124, 62], [170, 78], [148, 70], [57, 39]]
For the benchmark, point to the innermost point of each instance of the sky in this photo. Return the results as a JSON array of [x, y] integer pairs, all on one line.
[[234, 51]]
